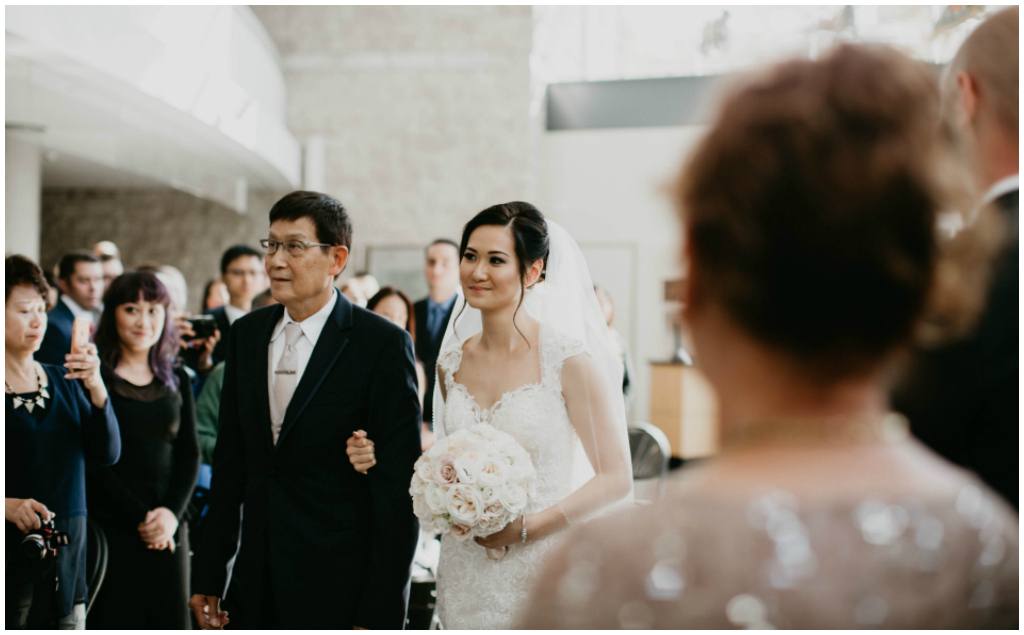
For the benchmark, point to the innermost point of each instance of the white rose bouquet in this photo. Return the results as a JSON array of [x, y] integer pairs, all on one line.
[[472, 483]]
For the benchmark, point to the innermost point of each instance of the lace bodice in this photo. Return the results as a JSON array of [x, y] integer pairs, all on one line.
[[474, 592]]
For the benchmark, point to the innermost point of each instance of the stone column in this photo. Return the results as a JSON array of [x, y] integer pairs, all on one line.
[[23, 191]]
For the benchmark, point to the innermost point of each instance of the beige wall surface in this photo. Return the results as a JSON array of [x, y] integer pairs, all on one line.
[[160, 225], [424, 111]]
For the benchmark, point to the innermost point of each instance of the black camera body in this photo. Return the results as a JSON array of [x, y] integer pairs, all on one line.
[[203, 325], [42, 543]]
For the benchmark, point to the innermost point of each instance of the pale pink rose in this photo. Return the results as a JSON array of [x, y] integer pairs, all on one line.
[[491, 473], [464, 504], [434, 498], [424, 469], [420, 508], [467, 467], [444, 470], [461, 533]]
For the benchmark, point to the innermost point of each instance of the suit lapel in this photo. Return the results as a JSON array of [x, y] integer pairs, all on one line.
[[263, 374], [328, 349]]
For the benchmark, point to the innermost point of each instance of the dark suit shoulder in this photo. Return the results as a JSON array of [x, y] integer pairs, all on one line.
[[61, 312]]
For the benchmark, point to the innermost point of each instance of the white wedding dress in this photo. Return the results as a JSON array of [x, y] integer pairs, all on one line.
[[474, 592]]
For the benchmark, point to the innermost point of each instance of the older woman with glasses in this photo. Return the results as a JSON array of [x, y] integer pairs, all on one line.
[[57, 419]]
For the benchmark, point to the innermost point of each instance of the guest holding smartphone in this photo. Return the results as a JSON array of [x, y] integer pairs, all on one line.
[[52, 427], [141, 500]]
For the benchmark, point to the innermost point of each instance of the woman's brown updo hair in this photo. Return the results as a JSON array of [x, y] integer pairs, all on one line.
[[810, 207]]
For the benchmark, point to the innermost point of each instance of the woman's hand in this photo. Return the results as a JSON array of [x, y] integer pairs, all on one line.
[[23, 513], [87, 368], [511, 534], [426, 438], [159, 527], [360, 452]]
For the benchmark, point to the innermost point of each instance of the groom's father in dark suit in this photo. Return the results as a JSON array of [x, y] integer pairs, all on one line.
[[322, 546], [962, 399], [432, 314]]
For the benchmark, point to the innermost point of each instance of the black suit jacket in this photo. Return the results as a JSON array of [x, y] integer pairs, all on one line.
[[962, 398], [427, 350], [57, 339], [338, 544]]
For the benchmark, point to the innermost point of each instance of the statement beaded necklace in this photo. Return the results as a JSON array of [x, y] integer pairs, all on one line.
[[30, 404]]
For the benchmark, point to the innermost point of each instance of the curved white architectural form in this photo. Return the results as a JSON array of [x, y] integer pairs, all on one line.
[[190, 97]]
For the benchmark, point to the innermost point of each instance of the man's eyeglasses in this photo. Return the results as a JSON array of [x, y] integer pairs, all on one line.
[[291, 247]]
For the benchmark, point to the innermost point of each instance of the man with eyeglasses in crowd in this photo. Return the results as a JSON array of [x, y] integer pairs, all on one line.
[[241, 271], [322, 546]]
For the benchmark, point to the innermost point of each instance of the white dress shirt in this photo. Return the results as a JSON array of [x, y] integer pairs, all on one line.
[[233, 313], [311, 329], [78, 311]]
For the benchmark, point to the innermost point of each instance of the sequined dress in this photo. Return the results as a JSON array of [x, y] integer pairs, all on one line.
[[943, 555], [472, 591]]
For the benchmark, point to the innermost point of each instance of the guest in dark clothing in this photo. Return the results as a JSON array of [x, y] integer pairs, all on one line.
[[395, 305], [80, 276], [963, 397], [241, 270], [52, 427], [140, 501], [215, 295], [432, 314]]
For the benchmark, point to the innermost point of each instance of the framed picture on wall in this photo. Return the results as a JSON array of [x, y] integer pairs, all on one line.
[[399, 266]]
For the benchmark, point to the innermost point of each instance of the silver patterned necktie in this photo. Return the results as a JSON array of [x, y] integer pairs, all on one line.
[[285, 376]]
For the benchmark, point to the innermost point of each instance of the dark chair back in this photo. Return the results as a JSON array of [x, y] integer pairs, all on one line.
[[649, 448], [97, 553]]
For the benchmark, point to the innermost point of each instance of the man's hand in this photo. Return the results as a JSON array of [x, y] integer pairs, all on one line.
[[158, 528], [206, 608], [360, 452], [22, 512]]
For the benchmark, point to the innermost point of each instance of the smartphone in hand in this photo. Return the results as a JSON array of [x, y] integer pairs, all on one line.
[[80, 336]]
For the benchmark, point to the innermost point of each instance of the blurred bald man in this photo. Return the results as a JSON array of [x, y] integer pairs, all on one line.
[[962, 399]]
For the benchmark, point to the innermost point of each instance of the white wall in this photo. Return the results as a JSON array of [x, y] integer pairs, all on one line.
[[609, 189]]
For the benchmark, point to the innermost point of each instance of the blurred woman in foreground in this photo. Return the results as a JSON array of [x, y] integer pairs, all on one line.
[[810, 224]]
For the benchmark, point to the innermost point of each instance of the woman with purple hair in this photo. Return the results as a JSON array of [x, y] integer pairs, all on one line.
[[140, 500]]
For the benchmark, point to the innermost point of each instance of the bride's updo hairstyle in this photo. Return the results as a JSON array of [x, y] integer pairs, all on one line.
[[810, 207], [529, 233]]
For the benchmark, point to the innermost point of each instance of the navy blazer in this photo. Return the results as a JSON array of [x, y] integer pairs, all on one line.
[[57, 339], [338, 545]]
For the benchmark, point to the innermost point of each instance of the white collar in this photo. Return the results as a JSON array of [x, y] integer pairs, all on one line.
[[311, 326], [232, 313], [1000, 187], [76, 308]]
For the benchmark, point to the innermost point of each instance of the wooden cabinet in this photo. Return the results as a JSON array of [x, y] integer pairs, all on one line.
[[685, 408]]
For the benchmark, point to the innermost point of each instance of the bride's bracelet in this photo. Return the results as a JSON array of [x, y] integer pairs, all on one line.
[[523, 532], [564, 514]]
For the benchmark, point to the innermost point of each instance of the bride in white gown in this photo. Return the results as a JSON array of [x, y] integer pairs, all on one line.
[[527, 352]]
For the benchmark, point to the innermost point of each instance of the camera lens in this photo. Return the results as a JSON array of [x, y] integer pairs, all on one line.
[[33, 547]]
